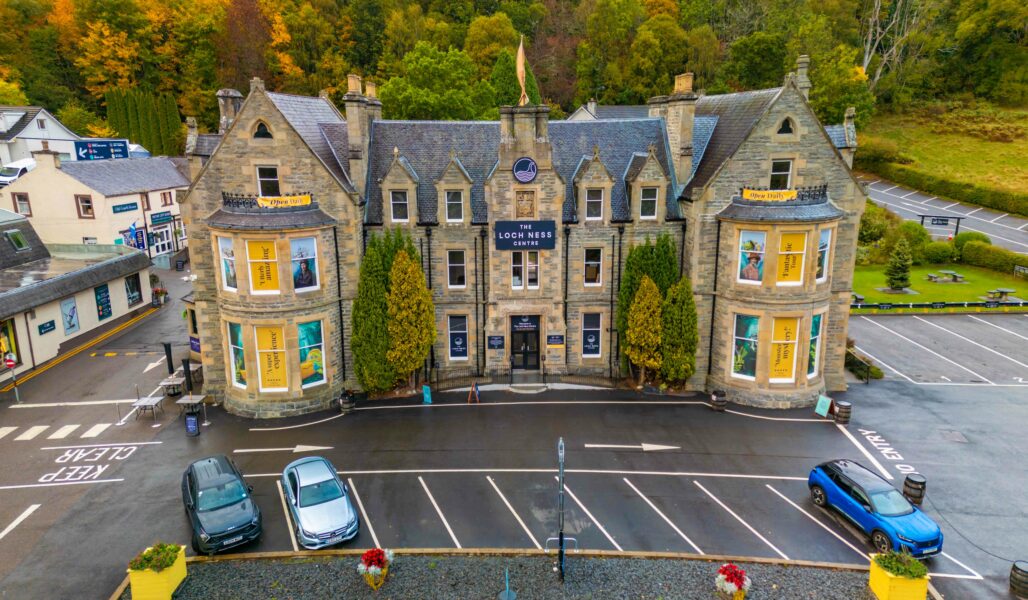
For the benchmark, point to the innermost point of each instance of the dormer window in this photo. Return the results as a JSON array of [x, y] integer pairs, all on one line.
[[648, 203], [261, 132], [593, 204], [454, 206], [400, 209], [17, 239], [786, 127]]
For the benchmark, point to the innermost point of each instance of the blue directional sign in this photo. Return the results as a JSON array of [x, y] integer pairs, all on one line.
[[101, 149]]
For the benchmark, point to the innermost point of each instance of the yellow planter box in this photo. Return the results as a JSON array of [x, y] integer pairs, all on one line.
[[887, 586], [153, 585]]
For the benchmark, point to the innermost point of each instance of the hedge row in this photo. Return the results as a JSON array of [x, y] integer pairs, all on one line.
[[1015, 203], [999, 259]]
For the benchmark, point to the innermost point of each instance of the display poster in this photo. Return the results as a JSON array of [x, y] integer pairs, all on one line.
[[769, 195], [304, 263], [69, 315], [744, 358], [822, 252], [554, 341], [783, 348], [790, 257], [228, 262], [9, 340], [458, 344], [497, 342], [194, 343], [312, 353], [235, 342], [284, 201], [103, 302], [263, 266], [815, 344], [272, 358], [751, 255]]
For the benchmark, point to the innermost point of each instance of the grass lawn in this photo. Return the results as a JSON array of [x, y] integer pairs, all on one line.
[[867, 279]]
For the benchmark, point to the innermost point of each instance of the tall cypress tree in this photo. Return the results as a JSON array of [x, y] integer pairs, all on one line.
[[131, 117], [679, 336], [642, 339], [148, 120], [370, 321], [173, 125], [115, 111], [163, 134], [504, 80], [411, 316], [656, 261]]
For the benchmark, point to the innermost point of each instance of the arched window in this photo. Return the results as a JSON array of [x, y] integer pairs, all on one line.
[[786, 127], [261, 132]]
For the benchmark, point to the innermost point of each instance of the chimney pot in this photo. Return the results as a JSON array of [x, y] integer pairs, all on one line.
[[46, 145], [683, 83], [370, 89], [802, 81], [591, 106], [353, 84]]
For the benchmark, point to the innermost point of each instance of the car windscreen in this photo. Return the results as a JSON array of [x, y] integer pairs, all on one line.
[[8, 172], [220, 496], [323, 491], [891, 503]]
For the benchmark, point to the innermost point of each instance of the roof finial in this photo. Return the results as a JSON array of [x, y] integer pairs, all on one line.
[[652, 149], [596, 152], [453, 153], [396, 152], [523, 99]]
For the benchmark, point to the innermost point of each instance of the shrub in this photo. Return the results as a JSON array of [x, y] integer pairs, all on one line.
[[938, 253], [875, 222], [1007, 201], [901, 564], [916, 236], [897, 272], [970, 236], [158, 557], [856, 364], [872, 152], [999, 259]]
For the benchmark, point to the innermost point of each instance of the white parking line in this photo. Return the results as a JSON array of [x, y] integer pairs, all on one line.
[[66, 404], [442, 517], [950, 205], [16, 522], [590, 515], [31, 432], [976, 574], [983, 347], [95, 430], [1014, 333], [820, 524], [63, 432], [513, 512], [581, 471], [285, 512], [663, 516], [867, 455], [947, 207], [107, 445], [739, 519], [889, 189], [926, 349], [4, 431], [360, 505], [908, 194], [999, 217], [881, 362]]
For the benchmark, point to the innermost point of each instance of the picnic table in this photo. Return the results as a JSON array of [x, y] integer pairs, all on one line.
[[953, 275], [151, 404], [1001, 293], [173, 385], [189, 404], [932, 277], [195, 371]]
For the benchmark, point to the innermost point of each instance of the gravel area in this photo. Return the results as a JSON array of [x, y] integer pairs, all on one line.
[[532, 577]]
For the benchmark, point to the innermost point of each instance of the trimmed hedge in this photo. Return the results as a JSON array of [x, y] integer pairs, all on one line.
[[970, 236], [938, 253], [999, 259], [1015, 203]]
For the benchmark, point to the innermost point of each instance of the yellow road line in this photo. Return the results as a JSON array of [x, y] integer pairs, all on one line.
[[80, 349]]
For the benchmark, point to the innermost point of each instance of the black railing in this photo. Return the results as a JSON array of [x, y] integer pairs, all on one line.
[[855, 362], [804, 195], [941, 305]]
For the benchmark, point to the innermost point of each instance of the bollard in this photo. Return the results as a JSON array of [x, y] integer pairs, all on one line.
[[914, 487], [719, 400], [1019, 579], [169, 359], [843, 411], [346, 402]]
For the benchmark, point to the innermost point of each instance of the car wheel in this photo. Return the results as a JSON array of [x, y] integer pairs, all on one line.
[[817, 495], [881, 542]]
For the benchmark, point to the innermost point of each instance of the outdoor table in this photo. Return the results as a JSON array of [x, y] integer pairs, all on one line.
[[173, 385], [1004, 292], [189, 404], [150, 403], [195, 371]]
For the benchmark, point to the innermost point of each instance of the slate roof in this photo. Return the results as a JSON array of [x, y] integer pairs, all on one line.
[[256, 219], [13, 131], [121, 176], [206, 144], [11, 257], [790, 211], [638, 111], [837, 133], [308, 115], [702, 128]]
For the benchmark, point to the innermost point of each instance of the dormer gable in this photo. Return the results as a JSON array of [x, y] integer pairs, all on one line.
[[594, 186], [400, 191], [646, 183], [453, 193]]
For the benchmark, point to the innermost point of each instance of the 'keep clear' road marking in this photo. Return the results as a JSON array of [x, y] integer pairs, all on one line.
[[86, 464], [16, 522]]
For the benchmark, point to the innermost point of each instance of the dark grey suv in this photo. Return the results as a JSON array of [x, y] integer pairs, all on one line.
[[218, 502]]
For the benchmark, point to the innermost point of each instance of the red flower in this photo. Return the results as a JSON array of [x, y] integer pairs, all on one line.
[[374, 558], [733, 574]]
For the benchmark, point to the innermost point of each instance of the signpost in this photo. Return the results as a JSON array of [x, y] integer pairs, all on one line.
[[560, 539], [101, 149], [824, 405], [160, 218], [47, 327], [942, 221], [10, 361], [128, 207]]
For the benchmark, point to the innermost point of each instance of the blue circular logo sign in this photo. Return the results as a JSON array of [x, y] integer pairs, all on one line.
[[525, 170]]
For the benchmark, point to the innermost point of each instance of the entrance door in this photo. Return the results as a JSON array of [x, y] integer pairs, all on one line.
[[162, 243], [524, 342]]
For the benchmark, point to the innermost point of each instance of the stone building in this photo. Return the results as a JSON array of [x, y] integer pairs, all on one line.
[[523, 226]]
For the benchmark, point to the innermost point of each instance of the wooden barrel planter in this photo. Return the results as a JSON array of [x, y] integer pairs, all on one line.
[[1019, 579], [719, 400], [914, 487], [843, 410]]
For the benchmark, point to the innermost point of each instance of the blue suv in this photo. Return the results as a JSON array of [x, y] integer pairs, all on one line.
[[875, 507]]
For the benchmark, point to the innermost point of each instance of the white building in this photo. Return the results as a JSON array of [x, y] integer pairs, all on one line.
[[28, 129]]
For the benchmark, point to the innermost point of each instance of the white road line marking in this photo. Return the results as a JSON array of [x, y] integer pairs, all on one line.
[[873, 182], [62, 432], [4, 431], [95, 430], [944, 377], [1022, 227], [991, 325], [998, 218], [881, 362], [929, 350], [31, 432], [982, 346], [956, 213], [739, 519], [889, 189], [590, 515], [108, 445], [907, 195], [867, 454], [952, 576], [972, 571], [579, 471], [43, 485], [820, 524], [513, 512], [360, 505], [950, 205], [294, 426], [663, 516], [285, 511], [66, 404], [974, 211], [127, 415], [16, 522], [438, 511]]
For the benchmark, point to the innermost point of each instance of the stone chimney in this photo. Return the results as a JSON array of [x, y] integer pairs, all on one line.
[[192, 133], [374, 104], [678, 111], [229, 101], [802, 81], [591, 107], [358, 129], [849, 125], [46, 158], [524, 131]]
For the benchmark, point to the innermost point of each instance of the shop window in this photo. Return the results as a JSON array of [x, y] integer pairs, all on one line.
[[591, 334], [9, 340], [823, 245], [458, 328], [791, 248], [84, 205], [744, 352], [22, 206], [261, 132], [166, 199], [454, 206], [752, 245], [263, 261], [400, 209], [70, 315], [814, 360], [133, 290], [648, 203], [593, 204], [271, 359], [312, 353], [17, 239], [236, 360], [593, 266], [228, 264], [303, 257], [456, 272], [786, 127], [781, 174], [267, 181], [783, 349]]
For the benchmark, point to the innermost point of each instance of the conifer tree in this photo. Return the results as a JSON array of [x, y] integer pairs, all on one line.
[[173, 125], [161, 126], [370, 320], [131, 117], [504, 80], [679, 335], [148, 122], [657, 261], [642, 341], [411, 317], [897, 272], [116, 111]]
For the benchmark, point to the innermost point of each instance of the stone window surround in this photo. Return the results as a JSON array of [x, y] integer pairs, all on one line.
[[790, 176], [592, 359], [282, 249], [230, 360], [467, 332], [585, 267], [220, 268], [255, 130], [587, 182], [772, 234], [819, 366], [397, 179], [776, 124], [441, 187], [658, 212], [257, 165], [17, 198], [291, 350], [463, 264], [764, 332], [446, 206], [829, 254], [524, 269], [604, 196]]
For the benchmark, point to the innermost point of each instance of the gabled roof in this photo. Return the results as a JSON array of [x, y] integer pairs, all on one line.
[[9, 255], [29, 115], [307, 115], [702, 128], [837, 133], [206, 144], [604, 111], [121, 176]]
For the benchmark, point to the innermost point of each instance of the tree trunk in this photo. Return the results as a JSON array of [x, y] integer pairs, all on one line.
[[642, 375]]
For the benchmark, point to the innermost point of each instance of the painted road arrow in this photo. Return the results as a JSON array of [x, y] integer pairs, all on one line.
[[299, 448], [153, 365], [644, 447]]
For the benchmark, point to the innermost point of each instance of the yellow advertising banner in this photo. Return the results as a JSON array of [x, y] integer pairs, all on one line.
[[768, 195], [272, 357], [283, 201], [263, 266], [791, 247], [783, 348]]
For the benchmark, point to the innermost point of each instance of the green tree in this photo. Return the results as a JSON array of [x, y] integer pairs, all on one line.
[[642, 340], [504, 80], [172, 126], [370, 321], [678, 334], [133, 131], [837, 83], [603, 53], [368, 19], [655, 261], [116, 116], [704, 58], [77, 117], [658, 52], [487, 37], [897, 272], [411, 317], [437, 85], [756, 61], [526, 16], [11, 94]]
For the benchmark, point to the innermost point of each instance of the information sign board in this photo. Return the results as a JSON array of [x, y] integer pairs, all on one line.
[[101, 149]]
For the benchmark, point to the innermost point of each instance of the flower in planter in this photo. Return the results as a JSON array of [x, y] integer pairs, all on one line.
[[374, 565], [732, 580]]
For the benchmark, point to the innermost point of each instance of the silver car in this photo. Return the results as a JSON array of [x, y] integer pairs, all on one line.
[[319, 503]]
